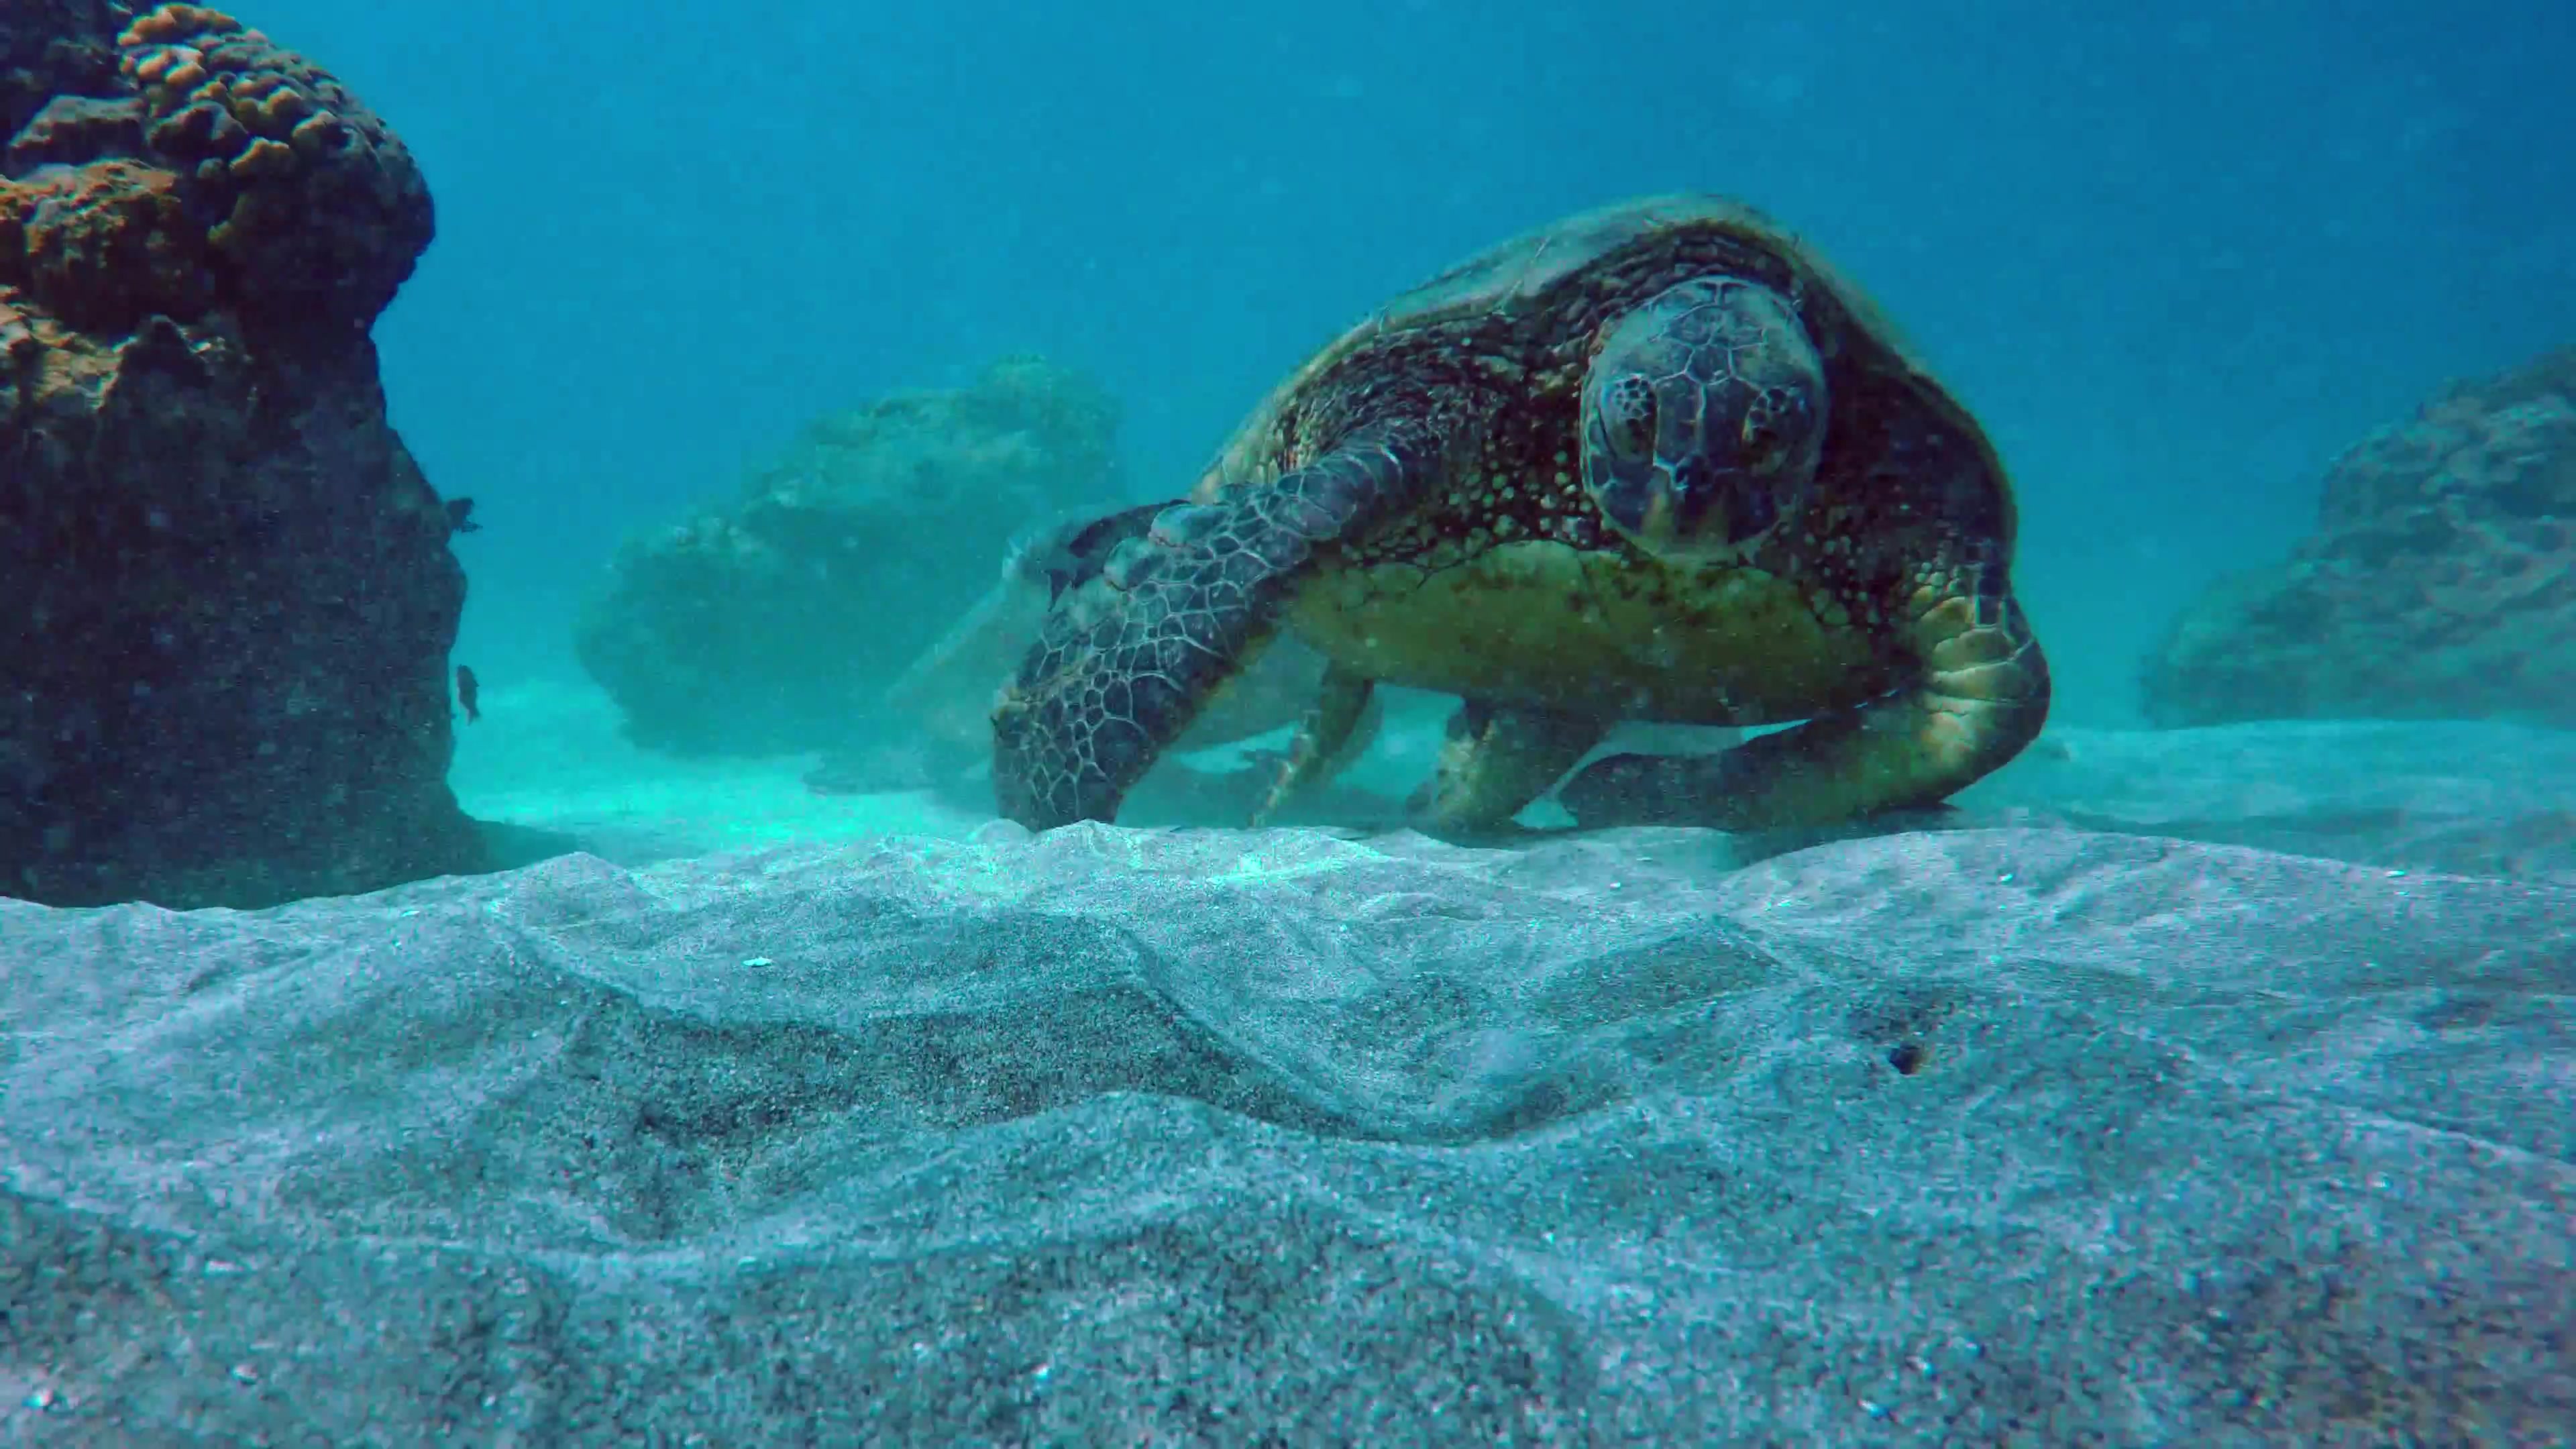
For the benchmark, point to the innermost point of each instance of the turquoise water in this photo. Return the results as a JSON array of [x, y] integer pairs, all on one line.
[[2178, 1085], [2176, 256]]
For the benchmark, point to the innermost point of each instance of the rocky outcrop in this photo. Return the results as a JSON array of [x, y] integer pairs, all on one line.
[[2441, 581], [229, 587], [55, 48], [775, 624]]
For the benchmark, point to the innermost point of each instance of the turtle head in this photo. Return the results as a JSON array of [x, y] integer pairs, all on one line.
[[1703, 419]]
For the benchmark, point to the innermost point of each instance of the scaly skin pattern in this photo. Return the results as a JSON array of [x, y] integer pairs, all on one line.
[[1127, 660], [1414, 504]]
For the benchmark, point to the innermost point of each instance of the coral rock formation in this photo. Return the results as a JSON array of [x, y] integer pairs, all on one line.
[[231, 588], [106, 244], [51, 48], [2441, 581], [264, 139], [775, 625]]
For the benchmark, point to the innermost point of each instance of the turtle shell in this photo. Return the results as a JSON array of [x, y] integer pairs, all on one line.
[[1569, 276]]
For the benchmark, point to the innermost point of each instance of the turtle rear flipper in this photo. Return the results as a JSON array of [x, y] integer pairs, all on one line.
[[1129, 657], [1495, 760], [1982, 695], [1344, 718]]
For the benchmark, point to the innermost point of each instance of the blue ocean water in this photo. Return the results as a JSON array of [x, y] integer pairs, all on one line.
[[2184, 1086], [2176, 255]]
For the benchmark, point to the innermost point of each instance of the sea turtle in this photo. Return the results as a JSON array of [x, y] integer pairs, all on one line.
[[1656, 461]]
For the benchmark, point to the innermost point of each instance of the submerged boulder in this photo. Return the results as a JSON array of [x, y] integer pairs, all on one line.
[[775, 623], [230, 588], [2440, 583]]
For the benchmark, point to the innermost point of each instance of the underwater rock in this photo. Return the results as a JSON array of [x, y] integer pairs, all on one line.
[[775, 624], [74, 131], [269, 144], [210, 168], [53, 48], [1120, 1136], [104, 245], [230, 586], [2441, 581]]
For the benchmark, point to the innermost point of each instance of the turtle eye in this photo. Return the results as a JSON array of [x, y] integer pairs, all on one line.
[[1763, 446], [1768, 424], [1627, 412]]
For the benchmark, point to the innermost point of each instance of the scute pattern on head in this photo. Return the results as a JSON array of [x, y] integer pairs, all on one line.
[[1704, 411]]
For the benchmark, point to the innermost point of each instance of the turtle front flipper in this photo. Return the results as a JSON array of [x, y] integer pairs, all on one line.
[[1494, 761], [1129, 657], [1981, 697]]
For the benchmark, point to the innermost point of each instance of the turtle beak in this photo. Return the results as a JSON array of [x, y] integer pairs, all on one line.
[[1639, 508], [1688, 509]]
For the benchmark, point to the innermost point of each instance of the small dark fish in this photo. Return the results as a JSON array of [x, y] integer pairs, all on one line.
[[469, 693], [460, 516]]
